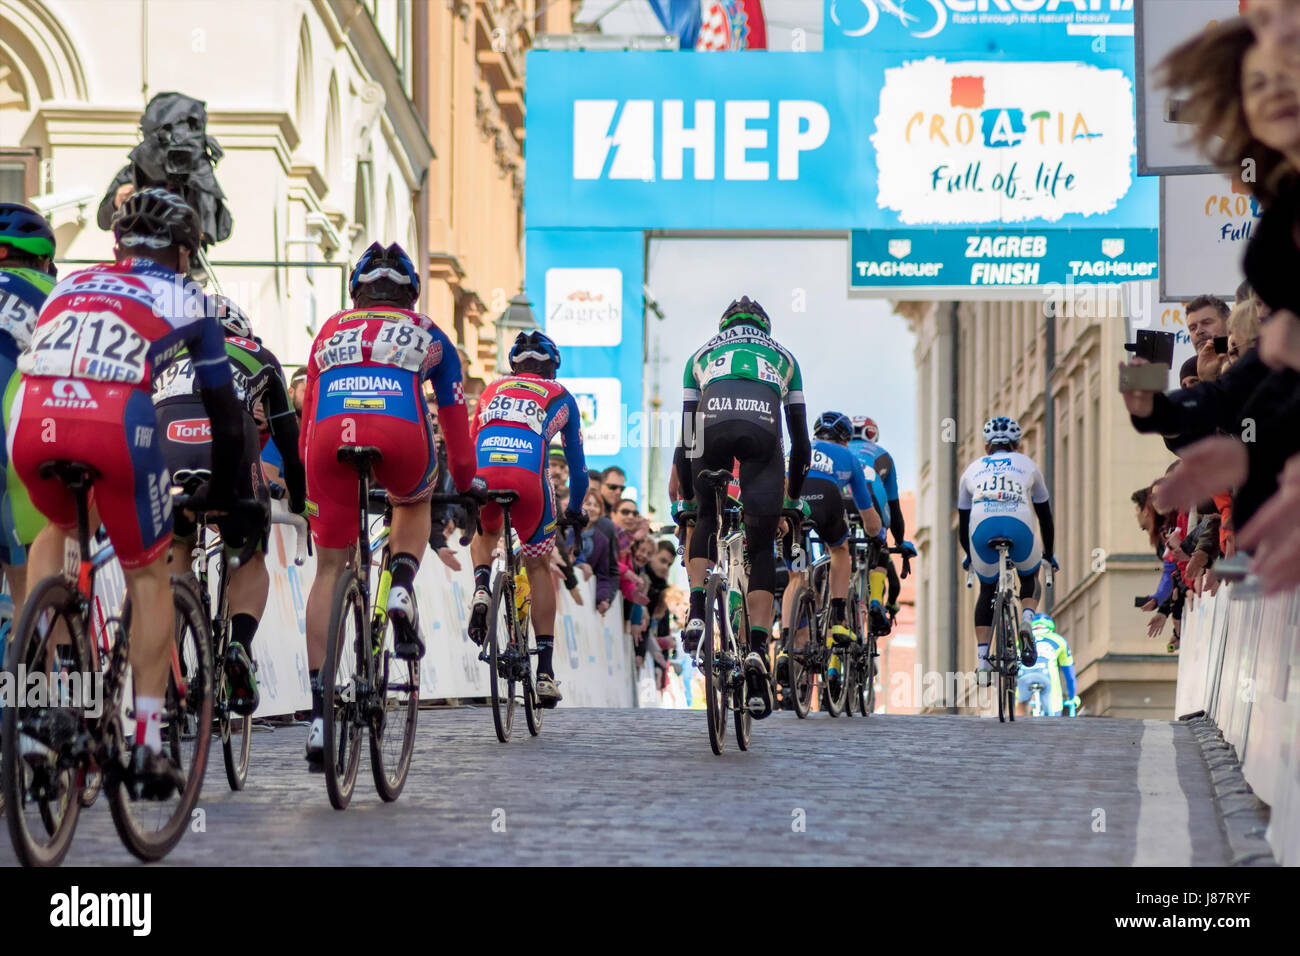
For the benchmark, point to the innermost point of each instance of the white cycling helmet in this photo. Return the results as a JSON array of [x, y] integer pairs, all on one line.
[[1002, 431]]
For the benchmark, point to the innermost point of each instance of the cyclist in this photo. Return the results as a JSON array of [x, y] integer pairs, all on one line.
[[1054, 671], [729, 412], [832, 466], [516, 419], [365, 387], [185, 435], [102, 336], [27, 275], [997, 497], [866, 448]]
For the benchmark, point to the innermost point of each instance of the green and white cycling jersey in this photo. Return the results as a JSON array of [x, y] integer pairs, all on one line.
[[748, 354]]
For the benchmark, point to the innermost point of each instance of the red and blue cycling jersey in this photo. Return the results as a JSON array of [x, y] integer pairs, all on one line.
[[365, 382], [515, 421], [101, 338]]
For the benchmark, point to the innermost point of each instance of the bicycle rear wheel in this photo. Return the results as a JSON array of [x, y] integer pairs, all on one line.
[[802, 674], [712, 656], [834, 689], [41, 792], [501, 640], [392, 735], [151, 828], [236, 743], [533, 710], [1004, 620], [744, 720], [339, 673]]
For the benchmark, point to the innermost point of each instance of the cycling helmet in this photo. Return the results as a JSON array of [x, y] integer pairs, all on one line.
[[388, 273], [25, 229], [232, 318], [1042, 622], [745, 311], [156, 219], [534, 351], [865, 428], [835, 426], [1001, 431]]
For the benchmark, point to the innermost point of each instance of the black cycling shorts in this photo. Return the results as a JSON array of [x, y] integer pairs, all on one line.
[[737, 422], [187, 449]]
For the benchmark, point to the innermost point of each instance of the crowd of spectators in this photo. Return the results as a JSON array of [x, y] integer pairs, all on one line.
[[1232, 423]]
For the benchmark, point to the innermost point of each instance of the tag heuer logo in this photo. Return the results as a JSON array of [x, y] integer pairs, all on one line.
[[1112, 248], [900, 248]]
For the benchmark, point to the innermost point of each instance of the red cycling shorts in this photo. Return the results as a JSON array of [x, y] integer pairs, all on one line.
[[406, 472], [532, 516], [111, 428]]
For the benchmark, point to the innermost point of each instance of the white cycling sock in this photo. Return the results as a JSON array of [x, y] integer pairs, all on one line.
[[148, 722], [982, 656]]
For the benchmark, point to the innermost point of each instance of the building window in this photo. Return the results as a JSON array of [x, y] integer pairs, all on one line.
[[17, 175]]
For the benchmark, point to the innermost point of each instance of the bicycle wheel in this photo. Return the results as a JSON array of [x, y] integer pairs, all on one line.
[[339, 674], [803, 675], [533, 711], [236, 742], [151, 828], [717, 669], [501, 647], [40, 786], [858, 660], [834, 689], [744, 719], [392, 734], [1005, 645]]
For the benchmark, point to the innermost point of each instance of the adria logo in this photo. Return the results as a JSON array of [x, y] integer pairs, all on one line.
[[192, 431], [627, 128], [69, 393]]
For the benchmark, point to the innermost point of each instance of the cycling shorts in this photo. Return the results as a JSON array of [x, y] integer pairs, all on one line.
[[397, 424], [20, 522], [532, 516], [186, 438], [827, 507], [730, 431], [1025, 554], [1040, 674], [110, 427]]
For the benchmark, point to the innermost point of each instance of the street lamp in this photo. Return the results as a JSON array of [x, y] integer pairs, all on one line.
[[518, 317]]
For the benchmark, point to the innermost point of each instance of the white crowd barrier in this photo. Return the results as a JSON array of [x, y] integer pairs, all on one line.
[[1239, 661], [593, 658]]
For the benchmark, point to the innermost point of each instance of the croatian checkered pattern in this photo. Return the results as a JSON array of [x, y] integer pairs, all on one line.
[[538, 549], [715, 30]]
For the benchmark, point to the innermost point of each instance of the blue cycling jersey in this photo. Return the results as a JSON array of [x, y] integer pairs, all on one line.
[[870, 453], [832, 462]]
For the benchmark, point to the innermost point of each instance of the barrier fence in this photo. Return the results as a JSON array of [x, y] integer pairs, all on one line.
[[593, 658], [1240, 663]]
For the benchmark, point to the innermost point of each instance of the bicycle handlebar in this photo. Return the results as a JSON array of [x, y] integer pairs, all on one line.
[[470, 503]]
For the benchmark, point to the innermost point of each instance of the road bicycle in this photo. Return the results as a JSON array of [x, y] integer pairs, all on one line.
[[805, 642], [863, 654], [722, 650], [51, 747], [366, 686], [232, 729], [509, 646], [1004, 653]]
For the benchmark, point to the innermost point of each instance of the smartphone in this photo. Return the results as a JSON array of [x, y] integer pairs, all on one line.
[[1143, 378], [1140, 602], [1220, 345], [1155, 347]]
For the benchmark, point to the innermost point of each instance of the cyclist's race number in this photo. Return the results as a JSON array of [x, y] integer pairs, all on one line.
[[401, 345], [97, 346], [1000, 488], [524, 411]]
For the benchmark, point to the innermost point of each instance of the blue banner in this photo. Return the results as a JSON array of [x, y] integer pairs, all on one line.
[[833, 140], [891, 259], [1017, 29]]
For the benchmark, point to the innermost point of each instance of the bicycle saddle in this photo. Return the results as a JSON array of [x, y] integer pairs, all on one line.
[[502, 497], [74, 474], [189, 481], [360, 457], [997, 543], [713, 477]]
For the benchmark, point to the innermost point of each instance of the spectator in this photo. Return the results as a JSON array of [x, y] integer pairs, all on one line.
[[559, 468], [298, 389], [626, 515], [1207, 319], [600, 549], [612, 482], [1161, 529], [1187, 374], [1243, 331]]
